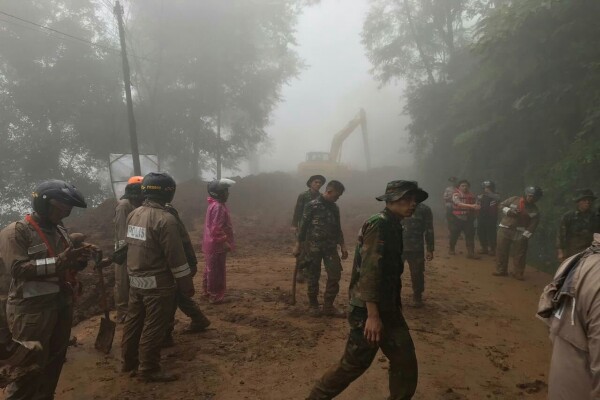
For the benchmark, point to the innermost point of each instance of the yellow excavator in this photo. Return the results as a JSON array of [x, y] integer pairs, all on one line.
[[329, 163]]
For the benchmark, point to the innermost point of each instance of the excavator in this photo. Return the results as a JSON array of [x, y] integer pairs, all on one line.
[[329, 163]]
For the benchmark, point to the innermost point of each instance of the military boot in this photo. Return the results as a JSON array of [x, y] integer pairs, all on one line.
[[199, 324], [417, 300], [329, 310], [157, 376]]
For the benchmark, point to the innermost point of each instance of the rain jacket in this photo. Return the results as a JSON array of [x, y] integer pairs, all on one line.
[[570, 305], [217, 228]]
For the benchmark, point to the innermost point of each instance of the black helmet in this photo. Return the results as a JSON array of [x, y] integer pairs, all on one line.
[[60, 191], [159, 186], [534, 191], [489, 184], [218, 188]]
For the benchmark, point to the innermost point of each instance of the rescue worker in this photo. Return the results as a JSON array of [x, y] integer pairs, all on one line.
[[577, 227], [314, 185], [418, 233], [448, 204], [464, 209], [186, 304], [570, 305], [217, 241], [487, 219], [157, 265], [131, 200], [376, 319], [43, 264], [520, 219], [321, 232]]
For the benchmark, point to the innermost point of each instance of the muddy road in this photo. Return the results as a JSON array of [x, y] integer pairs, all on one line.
[[476, 338]]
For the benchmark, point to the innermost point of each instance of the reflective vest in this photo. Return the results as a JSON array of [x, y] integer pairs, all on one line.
[[466, 198]]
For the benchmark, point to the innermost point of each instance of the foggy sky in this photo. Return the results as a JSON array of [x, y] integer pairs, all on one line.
[[329, 92]]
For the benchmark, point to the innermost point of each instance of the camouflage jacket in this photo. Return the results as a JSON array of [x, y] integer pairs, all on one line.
[[378, 265], [527, 218], [320, 224], [417, 228], [303, 199], [576, 231]]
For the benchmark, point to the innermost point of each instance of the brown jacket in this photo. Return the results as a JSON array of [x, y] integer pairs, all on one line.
[[528, 216], [155, 255], [575, 329], [122, 211], [34, 282]]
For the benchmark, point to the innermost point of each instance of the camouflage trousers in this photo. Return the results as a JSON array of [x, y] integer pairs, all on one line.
[[416, 263], [396, 344], [52, 328], [149, 314], [303, 261], [511, 240], [333, 267]]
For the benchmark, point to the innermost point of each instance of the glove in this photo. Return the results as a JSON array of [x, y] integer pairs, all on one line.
[[527, 234], [509, 212], [73, 258], [185, 285]]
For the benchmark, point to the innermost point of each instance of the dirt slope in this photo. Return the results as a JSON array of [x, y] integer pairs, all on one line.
[[476, 338]]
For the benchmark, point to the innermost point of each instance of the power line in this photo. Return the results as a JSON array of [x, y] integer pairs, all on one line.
[[67, 35]]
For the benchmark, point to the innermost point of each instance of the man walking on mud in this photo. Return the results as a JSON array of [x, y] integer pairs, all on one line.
[[577, 227], [314, 185], [487, 219], [131, 200], [376, 319], [520, 220], [464, 209], [321, 232]]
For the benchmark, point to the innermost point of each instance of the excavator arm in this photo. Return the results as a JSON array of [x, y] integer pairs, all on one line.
[[335, 153]]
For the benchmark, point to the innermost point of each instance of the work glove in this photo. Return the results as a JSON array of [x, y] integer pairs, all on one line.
[[527, 234], [73, 258], [185, 285]]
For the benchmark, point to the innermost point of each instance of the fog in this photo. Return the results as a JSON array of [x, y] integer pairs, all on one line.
[[335, 84]]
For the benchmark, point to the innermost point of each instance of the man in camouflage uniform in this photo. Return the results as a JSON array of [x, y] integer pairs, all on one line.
[[576, 231], [520, 220], [157, 267], [186, 304], [487, 219], [416, 228], [43, 264], [376, 319], [131, 200], [314, 184], [321, 232]]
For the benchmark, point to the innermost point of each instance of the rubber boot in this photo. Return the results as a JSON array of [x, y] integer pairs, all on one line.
[[198, 325], [329, 310]]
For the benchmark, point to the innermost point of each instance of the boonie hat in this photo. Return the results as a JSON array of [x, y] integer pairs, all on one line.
[[581, 194], [397, 189], [312, 178]]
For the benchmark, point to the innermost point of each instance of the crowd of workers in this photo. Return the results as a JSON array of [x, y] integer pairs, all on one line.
[[154, 263]]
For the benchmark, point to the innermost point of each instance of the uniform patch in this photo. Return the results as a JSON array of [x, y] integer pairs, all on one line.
[[136, 232]]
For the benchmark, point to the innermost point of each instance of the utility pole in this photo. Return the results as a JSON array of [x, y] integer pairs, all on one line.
[[135, 154], [219, 143]]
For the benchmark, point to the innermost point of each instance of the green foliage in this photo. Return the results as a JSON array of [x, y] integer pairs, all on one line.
[[520, 105]]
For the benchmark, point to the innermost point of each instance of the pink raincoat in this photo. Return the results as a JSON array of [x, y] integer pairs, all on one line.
[[218, 233]]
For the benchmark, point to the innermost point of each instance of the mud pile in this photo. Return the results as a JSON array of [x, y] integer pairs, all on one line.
[[261, 207]]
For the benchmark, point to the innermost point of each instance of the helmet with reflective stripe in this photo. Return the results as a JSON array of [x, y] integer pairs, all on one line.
[[219, 187], [56, 190], [159, 186]]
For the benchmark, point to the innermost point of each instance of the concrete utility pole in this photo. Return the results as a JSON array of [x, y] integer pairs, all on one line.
[[135, 154]]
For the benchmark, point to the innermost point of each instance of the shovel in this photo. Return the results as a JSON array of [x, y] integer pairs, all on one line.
[[106, 334]]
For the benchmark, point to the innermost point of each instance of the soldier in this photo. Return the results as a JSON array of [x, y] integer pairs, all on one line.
[[464, 208], [448, 205], [416, 228], [520, 219], [186, 304], [576, 230], [157, 265], [131, 200], [314, 184], [43, 263], [375, 318], [487, 219], [321, 230]]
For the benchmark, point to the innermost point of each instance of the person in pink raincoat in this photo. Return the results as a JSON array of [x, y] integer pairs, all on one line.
[[217, 240]]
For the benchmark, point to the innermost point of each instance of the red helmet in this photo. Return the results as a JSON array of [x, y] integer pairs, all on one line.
[[135, 179]]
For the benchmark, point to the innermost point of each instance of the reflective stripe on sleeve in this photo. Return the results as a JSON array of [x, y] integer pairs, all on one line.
[[142, 282], [45, 266], [181, 271]]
